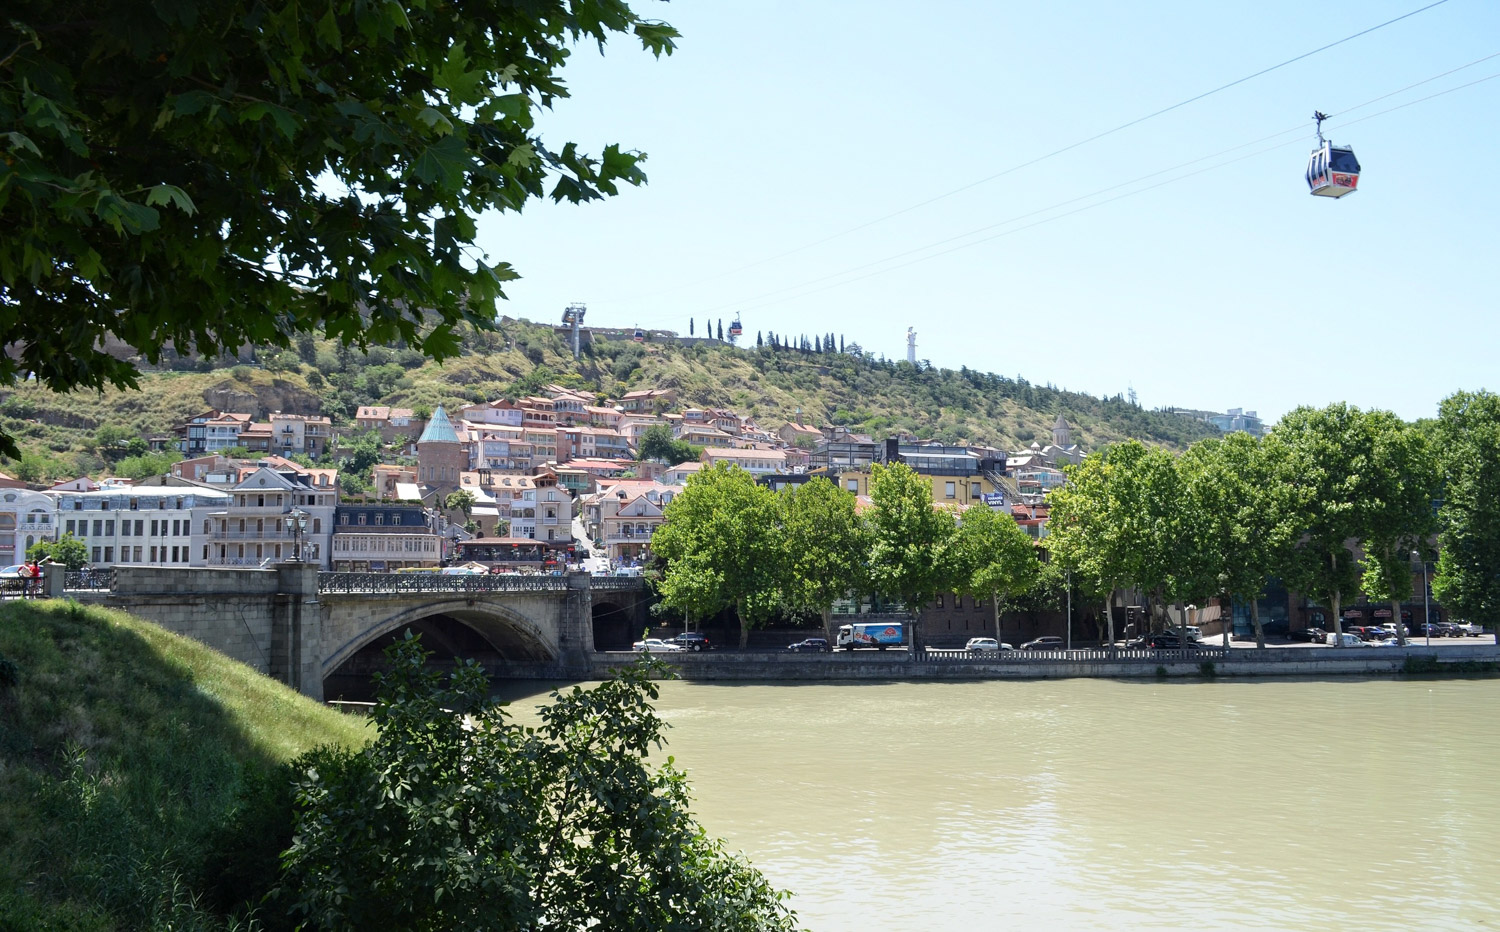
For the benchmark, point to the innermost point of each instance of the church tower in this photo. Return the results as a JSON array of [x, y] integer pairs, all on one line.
[[440, 456], [1062, 433]]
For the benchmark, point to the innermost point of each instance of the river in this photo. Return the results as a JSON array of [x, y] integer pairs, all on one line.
[[1104, 804]]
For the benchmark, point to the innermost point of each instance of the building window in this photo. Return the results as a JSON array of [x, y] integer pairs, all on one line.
[[109, 528], [70, 526], [939, 602], [96, 553], [949, 490], [853, 485], [109, 554], [975, 491]]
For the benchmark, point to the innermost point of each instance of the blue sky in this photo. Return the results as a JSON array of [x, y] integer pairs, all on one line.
[[782, 136]]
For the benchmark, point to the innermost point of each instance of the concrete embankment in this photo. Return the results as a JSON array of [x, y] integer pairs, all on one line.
[[872, 665]]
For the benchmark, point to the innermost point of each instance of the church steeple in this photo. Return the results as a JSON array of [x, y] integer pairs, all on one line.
[[1062, 434]]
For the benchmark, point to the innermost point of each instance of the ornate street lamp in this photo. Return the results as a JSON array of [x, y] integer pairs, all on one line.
[[298, 521]]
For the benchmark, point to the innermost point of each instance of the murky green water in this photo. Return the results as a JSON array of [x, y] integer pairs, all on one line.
[[1094, 804]]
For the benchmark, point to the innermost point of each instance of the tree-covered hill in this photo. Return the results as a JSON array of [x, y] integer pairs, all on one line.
[[84, 432]]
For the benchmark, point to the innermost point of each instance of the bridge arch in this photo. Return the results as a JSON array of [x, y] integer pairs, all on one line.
[[510, 634]]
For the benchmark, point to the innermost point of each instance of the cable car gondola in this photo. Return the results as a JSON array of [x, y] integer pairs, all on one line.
[[1332, 171], [735, 329], [640, 335]]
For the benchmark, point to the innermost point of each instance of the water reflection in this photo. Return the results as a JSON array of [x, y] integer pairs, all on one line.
[[1092, 804]]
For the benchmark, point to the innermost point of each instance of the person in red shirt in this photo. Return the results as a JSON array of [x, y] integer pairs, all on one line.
[[33, 577]]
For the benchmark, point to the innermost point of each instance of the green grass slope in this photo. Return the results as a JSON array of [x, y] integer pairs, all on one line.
[[125, 752]]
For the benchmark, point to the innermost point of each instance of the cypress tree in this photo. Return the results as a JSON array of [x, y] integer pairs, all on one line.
[[721, 328], [690, 326], [758, 342]]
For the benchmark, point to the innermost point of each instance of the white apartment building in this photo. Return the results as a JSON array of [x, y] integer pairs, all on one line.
[[755, 462], [26, 517], [298, 433], [255, 526], [152, 525], [625, 513]]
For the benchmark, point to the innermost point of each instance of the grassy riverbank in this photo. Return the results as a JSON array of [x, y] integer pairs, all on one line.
[[125, 756]]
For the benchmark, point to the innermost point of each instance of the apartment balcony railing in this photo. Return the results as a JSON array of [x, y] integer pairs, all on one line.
[[550, 521], [252, 534]]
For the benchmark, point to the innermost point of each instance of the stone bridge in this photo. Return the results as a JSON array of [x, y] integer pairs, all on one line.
[[324, 633]]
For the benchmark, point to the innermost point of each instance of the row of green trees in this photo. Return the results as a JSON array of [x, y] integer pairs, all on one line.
[[729, 542], [1334, 501]]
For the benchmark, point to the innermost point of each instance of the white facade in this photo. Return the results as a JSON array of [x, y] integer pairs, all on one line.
[[255, 525], [26, 517], [149, 526]]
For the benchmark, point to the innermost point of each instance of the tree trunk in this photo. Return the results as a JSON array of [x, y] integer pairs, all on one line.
[[827, 613], [739, 610], [1396, 618], [995, 596], [1109, 616], [1182, 622], [1260, 633], [1338, 621]]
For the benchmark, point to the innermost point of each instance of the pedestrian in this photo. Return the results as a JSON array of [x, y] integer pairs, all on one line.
[[28, 578]]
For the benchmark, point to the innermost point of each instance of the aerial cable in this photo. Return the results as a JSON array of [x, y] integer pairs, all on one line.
[[1067, 148], [882, 271], [759, 300]]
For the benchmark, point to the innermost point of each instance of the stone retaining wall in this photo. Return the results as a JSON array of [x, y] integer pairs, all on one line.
[[868, 665]]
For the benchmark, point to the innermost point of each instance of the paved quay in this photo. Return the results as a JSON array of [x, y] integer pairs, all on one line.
[[1238, 660]]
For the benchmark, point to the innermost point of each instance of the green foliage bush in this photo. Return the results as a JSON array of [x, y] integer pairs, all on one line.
[[455, 817]]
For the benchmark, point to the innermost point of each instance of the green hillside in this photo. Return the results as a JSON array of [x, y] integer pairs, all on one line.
[[124, 751], [62, 433]]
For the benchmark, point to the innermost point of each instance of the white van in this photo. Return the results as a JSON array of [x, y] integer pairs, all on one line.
[[1343, 640]]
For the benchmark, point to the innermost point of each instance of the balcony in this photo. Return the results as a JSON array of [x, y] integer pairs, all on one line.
[[551, 522], [252, 534], [627, 538]]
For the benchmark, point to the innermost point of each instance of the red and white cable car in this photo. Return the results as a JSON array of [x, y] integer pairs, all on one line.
[[1332, 171]]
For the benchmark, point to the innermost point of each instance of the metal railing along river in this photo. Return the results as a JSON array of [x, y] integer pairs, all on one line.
[[1078, 655]]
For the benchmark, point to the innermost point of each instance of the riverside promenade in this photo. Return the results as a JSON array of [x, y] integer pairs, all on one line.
[[1449, 657]]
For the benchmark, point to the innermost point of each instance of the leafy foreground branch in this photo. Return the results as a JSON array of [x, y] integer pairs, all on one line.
[[463, 819]]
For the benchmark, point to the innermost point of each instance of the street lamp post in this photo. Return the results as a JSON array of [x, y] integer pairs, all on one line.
[[1426, 606], [299, 525]]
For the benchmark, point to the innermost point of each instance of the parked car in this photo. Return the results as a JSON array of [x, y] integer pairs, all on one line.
[[1365, 632], [1442, 629], [1311, 635], [1044, 643], [1344, 640], [1469, 628], [983, 644], [817, 645], [1388, 642], [656, 645], [1166, 640], [692, 640]]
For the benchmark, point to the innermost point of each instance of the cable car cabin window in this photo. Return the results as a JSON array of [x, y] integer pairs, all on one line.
[[1344, 161]]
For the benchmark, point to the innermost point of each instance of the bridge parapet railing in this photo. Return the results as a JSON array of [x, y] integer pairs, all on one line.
[[367, 583], [100, 580], [607, 583]]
